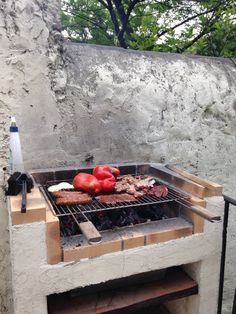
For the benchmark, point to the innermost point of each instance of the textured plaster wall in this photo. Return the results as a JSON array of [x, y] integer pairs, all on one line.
[[29, 86], [169, 108], [130, 105]]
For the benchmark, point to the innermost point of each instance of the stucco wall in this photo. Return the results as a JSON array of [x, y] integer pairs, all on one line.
[[127, 105], [29, 84], [78, 104]]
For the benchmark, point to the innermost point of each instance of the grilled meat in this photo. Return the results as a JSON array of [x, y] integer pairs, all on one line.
[[157, 190], [59, 194], [115, 198], [133, 184], [71, 198]]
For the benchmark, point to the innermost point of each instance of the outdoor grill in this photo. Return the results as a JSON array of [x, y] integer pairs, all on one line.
[[112, 215], [96, 206], [141, 210], [122, 225]]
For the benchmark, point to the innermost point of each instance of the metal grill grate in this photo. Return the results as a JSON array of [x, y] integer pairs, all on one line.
[[96, 206]]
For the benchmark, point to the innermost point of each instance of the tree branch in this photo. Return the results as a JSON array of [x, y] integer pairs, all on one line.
[[103, 3], [205, 31], [122, 15], [88, 20], [116, 24], [187, 20], [126, 20]]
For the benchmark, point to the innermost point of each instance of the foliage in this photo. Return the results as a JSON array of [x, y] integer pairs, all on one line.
[[194, 26]]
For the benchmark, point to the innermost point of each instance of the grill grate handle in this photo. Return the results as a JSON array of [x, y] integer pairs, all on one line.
[[201, 211]]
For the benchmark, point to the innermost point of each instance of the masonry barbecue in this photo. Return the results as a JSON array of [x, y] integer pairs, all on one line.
[[128, 238]]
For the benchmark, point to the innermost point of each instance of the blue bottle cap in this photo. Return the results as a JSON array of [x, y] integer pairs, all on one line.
[[13, 129]]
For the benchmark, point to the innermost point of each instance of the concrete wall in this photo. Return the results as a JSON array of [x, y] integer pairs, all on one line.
[[127, 105], [79, 104], [29, 63]]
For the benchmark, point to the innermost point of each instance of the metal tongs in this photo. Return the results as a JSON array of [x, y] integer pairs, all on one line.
[[20, 182], [23, 179]]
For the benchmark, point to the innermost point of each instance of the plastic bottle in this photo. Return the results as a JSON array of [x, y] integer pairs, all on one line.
[[16, 160]]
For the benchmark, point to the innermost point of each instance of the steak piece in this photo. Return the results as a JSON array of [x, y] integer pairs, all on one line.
[[157, 190], [73, 198], [115, 198], [66, 194]]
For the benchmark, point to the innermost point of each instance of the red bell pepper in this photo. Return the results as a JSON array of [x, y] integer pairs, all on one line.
[[106, 178], [87, 183], [102, 172], [115, 171], [108, 184]]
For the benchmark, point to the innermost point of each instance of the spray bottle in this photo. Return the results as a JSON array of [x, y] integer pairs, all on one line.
[[16, 160]]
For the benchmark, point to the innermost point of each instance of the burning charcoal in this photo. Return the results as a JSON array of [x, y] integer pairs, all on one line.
[[114, 215], [123, 219], [152, 213], [91, 216], [135, 218], [68, 227], [106, 223], [102, 221]]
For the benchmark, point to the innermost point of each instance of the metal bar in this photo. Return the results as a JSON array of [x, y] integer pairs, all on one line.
[[61, 209], [228, 200], [75, 219], [116, 206], [24, 197], [222, 263], [234, 305]]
